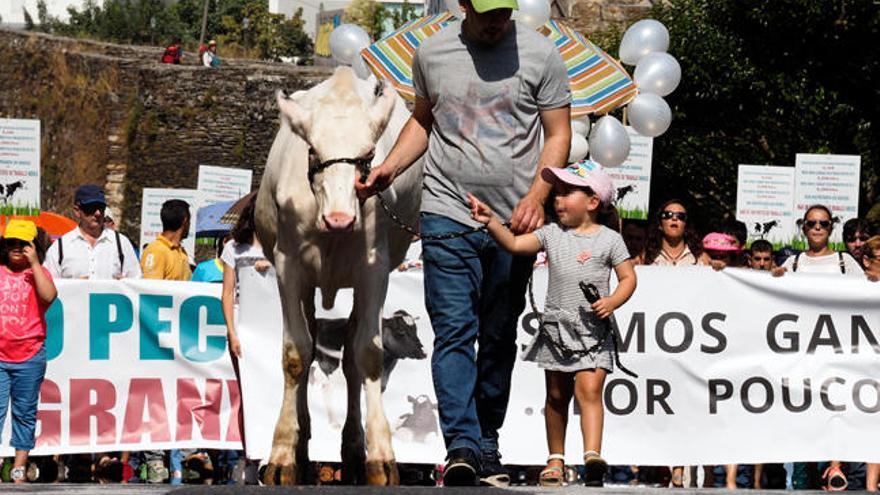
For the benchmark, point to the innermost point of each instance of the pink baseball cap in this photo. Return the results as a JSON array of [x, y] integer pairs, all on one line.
[[717, 241], [583, 174]]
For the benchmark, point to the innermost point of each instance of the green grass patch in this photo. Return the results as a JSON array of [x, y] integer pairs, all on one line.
[[633, 213]]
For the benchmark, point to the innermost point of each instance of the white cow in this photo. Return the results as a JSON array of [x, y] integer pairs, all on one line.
[[318, 235]]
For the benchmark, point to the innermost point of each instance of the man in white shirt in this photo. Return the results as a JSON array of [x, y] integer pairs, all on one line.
[[92, 251]]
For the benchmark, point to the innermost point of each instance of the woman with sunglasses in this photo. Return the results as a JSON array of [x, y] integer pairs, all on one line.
[[819, 257], [26, 291], [671, 240]]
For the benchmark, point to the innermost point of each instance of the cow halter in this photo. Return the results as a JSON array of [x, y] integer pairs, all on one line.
[[362, 164]]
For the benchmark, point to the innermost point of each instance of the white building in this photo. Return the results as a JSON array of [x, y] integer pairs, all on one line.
[[312, 7], [12, 11]]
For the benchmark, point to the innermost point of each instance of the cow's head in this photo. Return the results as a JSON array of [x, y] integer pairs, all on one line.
[[341, 119]]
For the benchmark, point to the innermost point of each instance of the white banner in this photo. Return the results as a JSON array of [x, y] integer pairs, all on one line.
[[722, 360], [831, 180], [632, 179], [135, 365], [734, 366], [217, 184], [765, 203], [151, 221], [19, 167]]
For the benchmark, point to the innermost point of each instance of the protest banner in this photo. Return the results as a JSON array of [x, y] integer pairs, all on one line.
[[830, 180], [767, 361], [133, 365], [632, 179], [19, 167], [217, 184], [151, 207], [765, 203], [734, 367]]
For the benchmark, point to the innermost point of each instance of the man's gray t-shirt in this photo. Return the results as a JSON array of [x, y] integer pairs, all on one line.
[[485, 102]]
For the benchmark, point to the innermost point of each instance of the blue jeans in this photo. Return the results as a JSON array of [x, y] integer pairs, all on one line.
[[474, 294], [22, 382]]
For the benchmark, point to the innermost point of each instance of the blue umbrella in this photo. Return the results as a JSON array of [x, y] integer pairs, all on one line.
[[208, 222]]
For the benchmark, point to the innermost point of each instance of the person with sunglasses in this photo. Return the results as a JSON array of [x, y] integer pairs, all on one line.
[[671, 240], [819, 257], [92, 251], [26, 292]]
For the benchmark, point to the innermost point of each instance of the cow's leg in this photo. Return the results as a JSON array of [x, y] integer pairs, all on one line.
[[381, 467], [296, 358], [353, 445]]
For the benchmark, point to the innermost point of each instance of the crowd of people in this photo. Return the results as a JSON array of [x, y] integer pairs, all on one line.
[[493, 160]]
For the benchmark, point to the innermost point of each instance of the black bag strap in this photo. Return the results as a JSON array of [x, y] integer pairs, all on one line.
[[119, 251], [60, 251], [840, 261], [797, 258]]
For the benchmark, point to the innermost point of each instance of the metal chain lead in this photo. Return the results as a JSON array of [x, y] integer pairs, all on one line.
[[438, 237]]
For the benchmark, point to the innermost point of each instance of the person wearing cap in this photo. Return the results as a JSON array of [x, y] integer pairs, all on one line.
[[26, 292], [575, 343], [485, 89], [92, 251], [721, 250], [209, 56]]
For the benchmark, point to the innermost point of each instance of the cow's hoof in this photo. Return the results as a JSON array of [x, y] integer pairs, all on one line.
[[382, 473], [277, 474]]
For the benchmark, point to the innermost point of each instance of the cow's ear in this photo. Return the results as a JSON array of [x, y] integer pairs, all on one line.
[[410, 399], [298, 116], [380, 112]]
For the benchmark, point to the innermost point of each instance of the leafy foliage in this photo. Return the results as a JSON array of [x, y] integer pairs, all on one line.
[[368, 14], [762, 81], [269, 36]]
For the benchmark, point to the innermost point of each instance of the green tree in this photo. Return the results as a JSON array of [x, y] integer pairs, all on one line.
[[368, 14], [760, 83], [406, 13]]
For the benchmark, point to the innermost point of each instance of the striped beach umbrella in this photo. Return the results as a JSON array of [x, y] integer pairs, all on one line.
[[599, 83]]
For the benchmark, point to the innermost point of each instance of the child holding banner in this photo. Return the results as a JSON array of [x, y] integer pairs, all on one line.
[[26, 292], [575, 345]]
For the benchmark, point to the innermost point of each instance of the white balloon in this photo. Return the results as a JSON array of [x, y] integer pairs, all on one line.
[[657, 73], [579, 148], [644, 37], [649, 114], [581, 126], [346, 42], [360, 67], [533, 13], [609, 142], [454, 8]]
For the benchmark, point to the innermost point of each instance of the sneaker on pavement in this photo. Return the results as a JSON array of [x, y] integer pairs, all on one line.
[[463, 468], [493, 473]]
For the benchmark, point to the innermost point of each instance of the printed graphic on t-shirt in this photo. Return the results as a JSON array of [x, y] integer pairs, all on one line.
[[14, 297]]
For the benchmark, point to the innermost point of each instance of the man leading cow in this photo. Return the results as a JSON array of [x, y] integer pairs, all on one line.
[[484, 91]]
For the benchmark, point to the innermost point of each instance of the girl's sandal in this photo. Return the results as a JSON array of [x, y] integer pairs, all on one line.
[[553, 475], [596, 467]]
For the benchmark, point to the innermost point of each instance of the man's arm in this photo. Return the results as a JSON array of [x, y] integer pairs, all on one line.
[[411, 144], [529, 212]]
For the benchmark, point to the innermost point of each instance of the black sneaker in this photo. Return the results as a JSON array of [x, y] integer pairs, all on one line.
[[494, 474], [463, 468]]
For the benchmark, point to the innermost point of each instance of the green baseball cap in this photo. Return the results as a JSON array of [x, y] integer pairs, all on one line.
[[487, 5]]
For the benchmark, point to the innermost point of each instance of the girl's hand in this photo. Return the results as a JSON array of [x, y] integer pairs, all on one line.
[[603, 307], [717, 265], [262, 265], [479, 210], [234, 344], [30, 252], [779, 271]]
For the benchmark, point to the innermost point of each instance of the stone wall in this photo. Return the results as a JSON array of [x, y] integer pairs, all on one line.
[[591, 16], [114, 115]]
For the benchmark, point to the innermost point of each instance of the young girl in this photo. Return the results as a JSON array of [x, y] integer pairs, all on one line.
[[720, 251], [574, 345], [26, 291]]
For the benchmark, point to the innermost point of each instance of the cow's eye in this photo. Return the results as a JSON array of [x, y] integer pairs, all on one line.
[[409, 320]]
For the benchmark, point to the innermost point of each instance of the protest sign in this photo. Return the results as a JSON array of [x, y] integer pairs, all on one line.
[[19, 167], [765, 201]]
